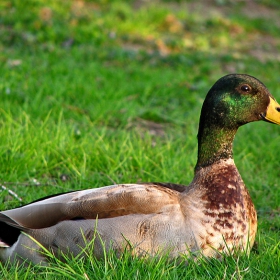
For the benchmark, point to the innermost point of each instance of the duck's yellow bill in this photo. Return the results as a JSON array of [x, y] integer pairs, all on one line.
[[273, 112]]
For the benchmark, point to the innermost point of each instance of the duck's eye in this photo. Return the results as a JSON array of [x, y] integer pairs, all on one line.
[[245, 88]]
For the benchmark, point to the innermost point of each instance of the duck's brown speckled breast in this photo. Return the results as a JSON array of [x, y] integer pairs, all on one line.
[[226, 213]]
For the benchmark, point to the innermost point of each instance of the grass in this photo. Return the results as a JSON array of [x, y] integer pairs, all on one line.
[[103, 92]]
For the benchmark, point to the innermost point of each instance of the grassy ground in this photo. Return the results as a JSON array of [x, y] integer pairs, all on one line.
[[102, 92]]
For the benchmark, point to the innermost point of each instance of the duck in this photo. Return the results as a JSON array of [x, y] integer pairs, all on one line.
[[212, 216]]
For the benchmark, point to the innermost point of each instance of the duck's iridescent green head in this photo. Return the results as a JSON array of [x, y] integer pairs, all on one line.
[[237, 99], [234, 100]]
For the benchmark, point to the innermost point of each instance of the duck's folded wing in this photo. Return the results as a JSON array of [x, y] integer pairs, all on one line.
[[106, 202]]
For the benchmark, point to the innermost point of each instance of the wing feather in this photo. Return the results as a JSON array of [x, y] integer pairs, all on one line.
[[106, 202]]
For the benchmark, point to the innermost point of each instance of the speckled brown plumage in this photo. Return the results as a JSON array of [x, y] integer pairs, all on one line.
[[228, 210], [213, 214]]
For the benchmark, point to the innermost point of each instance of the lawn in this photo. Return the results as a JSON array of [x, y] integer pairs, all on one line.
[[101, 92]]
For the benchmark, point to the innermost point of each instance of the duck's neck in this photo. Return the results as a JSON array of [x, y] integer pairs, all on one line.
[[214, 144]]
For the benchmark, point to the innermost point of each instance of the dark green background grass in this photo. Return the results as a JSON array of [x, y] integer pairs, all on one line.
[[101, 92]]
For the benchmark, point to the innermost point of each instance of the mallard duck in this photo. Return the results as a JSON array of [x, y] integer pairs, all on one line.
[[213, 215]]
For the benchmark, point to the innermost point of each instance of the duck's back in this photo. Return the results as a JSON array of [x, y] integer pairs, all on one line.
[[147, 218]]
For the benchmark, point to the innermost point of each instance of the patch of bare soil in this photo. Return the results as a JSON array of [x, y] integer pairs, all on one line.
[[143, 126]]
